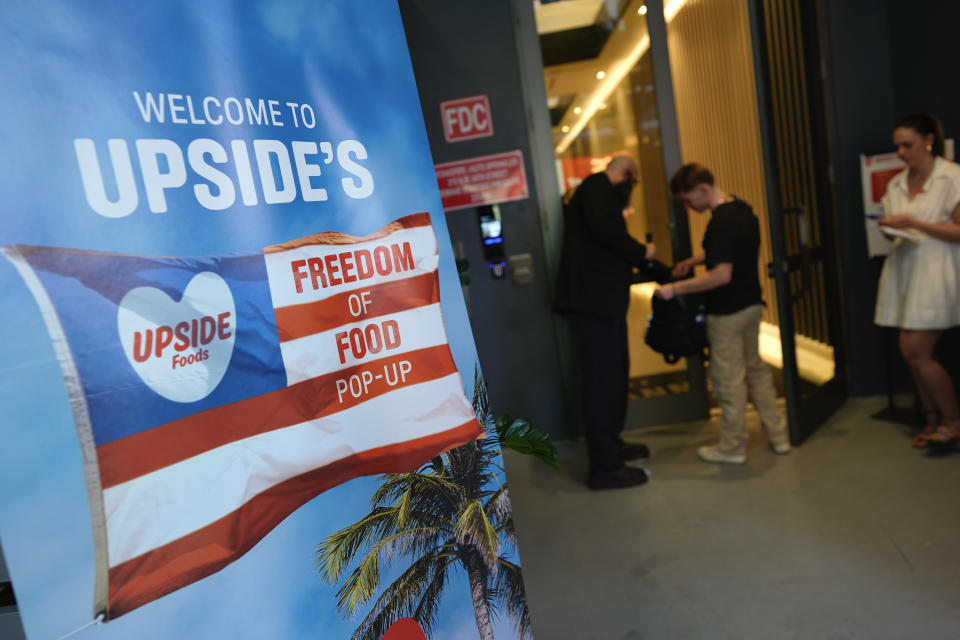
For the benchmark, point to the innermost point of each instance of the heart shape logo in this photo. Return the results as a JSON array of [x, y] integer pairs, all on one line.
[[181, 349], [405, 629]]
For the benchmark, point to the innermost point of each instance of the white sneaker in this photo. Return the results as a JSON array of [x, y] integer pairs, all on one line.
[[714, 454], [779, 439], [781, 448]]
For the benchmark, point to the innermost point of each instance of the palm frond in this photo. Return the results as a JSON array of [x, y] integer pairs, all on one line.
[[508, 584], [360, 585], [438, 488], [412, 542], [481, 402], [334, 554], [426, 611], [403, 508], [474, 530], [508, 536], [497, 506], [404, 595], [364, 580]]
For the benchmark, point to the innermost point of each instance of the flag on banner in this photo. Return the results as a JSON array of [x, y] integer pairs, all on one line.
[[214, 395]]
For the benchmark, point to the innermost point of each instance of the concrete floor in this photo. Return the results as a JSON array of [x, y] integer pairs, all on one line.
[[852, 535]]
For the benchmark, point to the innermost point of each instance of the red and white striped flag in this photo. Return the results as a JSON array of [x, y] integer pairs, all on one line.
[[214, 395]]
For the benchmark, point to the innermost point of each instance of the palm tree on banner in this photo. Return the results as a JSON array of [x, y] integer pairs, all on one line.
[[451, 514]]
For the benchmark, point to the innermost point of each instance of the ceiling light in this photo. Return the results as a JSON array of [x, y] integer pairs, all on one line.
[[601, 75], [565, 128], [642, 11], [577, 110]]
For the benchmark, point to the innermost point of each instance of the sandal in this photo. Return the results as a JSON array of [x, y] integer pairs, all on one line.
[[944, 439], [929, 428]]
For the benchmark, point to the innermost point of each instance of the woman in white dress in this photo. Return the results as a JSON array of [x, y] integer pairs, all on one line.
[[919, 289]]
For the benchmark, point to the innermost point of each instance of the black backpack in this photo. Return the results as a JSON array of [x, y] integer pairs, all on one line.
[[678, 327]]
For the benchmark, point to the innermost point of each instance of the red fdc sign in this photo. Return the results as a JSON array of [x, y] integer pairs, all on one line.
[[466, 118], [485, 180]]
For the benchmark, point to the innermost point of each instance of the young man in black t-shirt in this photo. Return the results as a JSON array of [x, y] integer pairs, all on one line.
[[734, 308]]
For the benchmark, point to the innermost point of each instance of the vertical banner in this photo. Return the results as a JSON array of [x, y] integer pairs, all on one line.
[[241, 394]]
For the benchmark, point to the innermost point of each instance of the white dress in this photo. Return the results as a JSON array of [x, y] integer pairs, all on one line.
[[920, 283]]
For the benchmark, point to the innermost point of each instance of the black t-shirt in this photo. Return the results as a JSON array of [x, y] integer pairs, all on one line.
[[733, 235]]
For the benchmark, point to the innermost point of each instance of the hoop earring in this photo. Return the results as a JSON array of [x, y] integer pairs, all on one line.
[[929, 147]]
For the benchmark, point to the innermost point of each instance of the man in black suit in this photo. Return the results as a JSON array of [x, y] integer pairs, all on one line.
[[593, 292]]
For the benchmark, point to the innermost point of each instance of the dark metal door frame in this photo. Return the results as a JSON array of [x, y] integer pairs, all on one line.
[[805, 413], [694, 405]]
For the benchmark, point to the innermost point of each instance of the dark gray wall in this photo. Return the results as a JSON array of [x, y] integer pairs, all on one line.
[[461, 49], [923, 56], [860, 111], [923, 51], [883, 61]]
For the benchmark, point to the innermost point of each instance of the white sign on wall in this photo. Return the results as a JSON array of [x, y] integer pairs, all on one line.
[[876, 172]]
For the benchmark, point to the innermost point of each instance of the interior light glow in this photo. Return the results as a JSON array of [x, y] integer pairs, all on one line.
[[603, 90], [565, 128], [672, 8], [577, 110], [601, 75], [610, 80], [642, 11]]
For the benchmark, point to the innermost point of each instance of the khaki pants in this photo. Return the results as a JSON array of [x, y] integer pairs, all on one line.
[[736, 368]]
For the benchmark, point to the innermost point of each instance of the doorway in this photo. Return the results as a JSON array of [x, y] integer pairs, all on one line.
[[605, 87], [727, 84]]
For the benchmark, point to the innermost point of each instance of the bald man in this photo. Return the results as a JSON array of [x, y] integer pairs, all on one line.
[[593, 293]]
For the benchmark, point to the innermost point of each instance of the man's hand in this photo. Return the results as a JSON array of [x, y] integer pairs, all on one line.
[[651, 251], [682, 268], [667, 291]]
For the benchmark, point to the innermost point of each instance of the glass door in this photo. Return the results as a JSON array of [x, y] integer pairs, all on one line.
[[607, 78], [715, 93], [803, 264]]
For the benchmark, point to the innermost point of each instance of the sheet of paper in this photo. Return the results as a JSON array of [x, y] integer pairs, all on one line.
[[907, 234]]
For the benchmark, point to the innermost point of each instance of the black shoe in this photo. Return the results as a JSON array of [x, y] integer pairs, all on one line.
[[630, 451], [617, 479]]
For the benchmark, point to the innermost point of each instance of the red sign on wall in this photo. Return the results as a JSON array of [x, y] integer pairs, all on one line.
[[466, 118], [880, 169], [485, 180]]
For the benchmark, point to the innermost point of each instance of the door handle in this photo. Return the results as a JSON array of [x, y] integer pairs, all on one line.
[[804, 236], [784, 268]]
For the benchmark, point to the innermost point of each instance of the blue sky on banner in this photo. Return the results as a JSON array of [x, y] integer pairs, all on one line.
[[70, 72]]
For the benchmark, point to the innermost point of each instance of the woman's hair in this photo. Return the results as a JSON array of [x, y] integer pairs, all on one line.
[[925, 125]]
